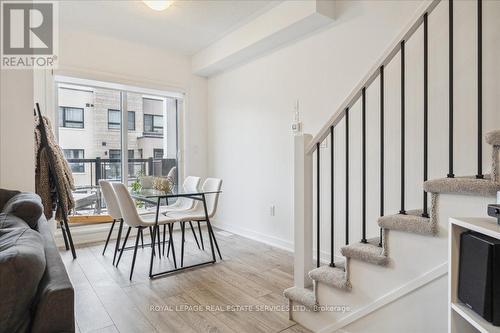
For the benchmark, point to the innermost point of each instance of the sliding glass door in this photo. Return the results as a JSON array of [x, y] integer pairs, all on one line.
[[114, 134]]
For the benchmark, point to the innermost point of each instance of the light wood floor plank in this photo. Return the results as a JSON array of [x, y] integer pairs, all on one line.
[[126, 317], [251, 274]]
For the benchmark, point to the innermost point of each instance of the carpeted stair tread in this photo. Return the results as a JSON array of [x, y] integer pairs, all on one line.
[[332, 276], [413, 222], [463, 185], [302, 296], [493, 138], [369, 252]]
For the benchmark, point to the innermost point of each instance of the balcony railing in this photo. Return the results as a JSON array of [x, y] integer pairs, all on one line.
[[88, 172]]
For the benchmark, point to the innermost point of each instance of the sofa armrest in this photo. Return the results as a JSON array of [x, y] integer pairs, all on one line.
[[6, 195], [54, 309]]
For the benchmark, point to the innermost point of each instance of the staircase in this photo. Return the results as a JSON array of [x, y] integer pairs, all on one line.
[[398, 270]]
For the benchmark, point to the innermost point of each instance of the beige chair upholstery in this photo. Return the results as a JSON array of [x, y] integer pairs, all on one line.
[[198, 212], [110, 199]]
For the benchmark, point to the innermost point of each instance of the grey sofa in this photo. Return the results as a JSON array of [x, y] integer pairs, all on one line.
[[36, 294]]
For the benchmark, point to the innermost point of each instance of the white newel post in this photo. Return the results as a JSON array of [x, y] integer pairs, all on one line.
[[302, 212]]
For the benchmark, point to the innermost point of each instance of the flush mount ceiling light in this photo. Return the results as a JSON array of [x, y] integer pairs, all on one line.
[[158, 5]]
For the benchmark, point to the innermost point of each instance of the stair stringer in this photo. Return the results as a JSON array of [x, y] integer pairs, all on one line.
[[410, 256]]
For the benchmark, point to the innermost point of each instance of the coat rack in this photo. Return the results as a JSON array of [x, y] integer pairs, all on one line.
[[44, 143]]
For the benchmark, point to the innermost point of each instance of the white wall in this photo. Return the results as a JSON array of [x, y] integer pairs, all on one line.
[[17, 162], [104, 58], [251, 107]]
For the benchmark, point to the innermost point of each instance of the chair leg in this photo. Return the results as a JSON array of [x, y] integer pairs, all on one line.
[[109, 235], [201, 236], [123, 246], [142, 238], [139, 233], [164, 236], [171, 242], [153, 236], [194, 234], [117, 246], [212, 234], [159, 242], [183, 228]]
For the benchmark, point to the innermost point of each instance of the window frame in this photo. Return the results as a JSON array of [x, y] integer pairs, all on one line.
[[114, 151], [128, 125], [119, 124], [153, 124], [114, 123], [74, 164], [155, 150], [63, 121]]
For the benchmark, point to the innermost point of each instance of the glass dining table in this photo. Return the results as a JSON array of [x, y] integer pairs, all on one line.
[[156, 197]]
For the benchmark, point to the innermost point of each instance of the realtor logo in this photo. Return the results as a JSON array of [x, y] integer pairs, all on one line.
[[29, 34]]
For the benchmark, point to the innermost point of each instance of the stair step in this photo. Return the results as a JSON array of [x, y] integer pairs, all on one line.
[[469, 185], [302, 296], [332, 276], [493, 138], [369, 252], [411, 222]]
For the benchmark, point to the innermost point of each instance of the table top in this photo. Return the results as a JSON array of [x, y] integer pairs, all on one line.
[[152, 193]]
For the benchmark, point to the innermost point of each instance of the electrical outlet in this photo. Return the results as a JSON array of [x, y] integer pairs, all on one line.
[[272, 210]]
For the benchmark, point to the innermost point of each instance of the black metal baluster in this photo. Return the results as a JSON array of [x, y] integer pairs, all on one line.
[[347, 176], [318, 213], [381, 147], [479, 90], [402, 211], [332, 197], [363, 147], [426, 110], [450, 90]]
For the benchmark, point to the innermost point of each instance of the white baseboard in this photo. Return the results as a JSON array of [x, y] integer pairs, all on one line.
[[388, 298], [257, 236], [271, 240]]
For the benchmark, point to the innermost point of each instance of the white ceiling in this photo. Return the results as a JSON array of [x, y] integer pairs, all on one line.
[[186, 27]]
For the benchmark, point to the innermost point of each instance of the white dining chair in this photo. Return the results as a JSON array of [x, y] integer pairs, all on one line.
[[114, 211], [190, 185], [211, 187], [132, 218]]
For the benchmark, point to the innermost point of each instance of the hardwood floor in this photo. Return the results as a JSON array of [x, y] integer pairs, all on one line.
[[251, 279]]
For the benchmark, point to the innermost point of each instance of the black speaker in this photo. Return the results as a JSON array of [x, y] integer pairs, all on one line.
[[479, 275]]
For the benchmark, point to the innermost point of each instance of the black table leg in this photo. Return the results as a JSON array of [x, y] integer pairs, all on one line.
[[164, 233], [152, 250], [183, 228], [212, 234], [171, 241]]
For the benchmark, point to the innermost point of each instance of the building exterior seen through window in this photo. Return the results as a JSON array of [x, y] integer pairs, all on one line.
[[90, 129]]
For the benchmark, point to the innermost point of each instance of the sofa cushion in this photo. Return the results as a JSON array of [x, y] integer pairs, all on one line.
[[27, 206], [22, 265], [55, 302], [5, 196]]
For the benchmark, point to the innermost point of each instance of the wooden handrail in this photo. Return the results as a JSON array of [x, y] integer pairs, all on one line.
[[387, 56]]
